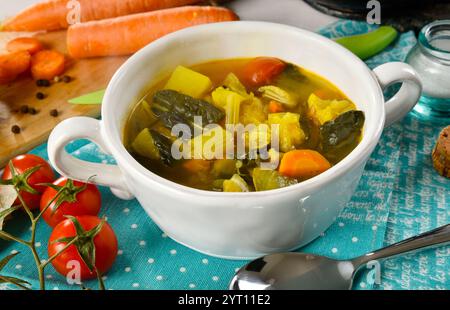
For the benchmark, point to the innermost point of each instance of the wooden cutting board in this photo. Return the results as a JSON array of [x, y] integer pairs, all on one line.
[[88, 75]]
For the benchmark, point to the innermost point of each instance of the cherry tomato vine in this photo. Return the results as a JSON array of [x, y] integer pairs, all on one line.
[[80, 244]]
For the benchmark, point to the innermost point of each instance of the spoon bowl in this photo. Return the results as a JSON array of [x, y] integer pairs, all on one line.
[[301, 271]]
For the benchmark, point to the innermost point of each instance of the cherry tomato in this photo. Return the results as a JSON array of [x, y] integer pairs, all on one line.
[[76, 198], [44, 174], [105, 243], [261, 71]]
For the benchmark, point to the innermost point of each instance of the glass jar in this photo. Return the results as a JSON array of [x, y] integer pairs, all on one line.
[[431, 59]]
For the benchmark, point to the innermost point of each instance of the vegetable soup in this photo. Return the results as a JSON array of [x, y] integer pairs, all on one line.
[[240, 125]]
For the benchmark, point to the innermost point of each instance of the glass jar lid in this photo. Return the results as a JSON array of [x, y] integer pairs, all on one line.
[[434, 39]]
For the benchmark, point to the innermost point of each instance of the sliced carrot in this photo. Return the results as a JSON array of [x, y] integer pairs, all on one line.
[[303, 164], [53, 14], [30, 45], [197, 165], [13, 64], [261, 71], [128, 34], [47, 64], [275, 107]]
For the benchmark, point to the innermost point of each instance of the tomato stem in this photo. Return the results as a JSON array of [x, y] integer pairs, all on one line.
[[43, 265], [31, 244], [24, 205], [101, 284], [5, 235], [48, 204]]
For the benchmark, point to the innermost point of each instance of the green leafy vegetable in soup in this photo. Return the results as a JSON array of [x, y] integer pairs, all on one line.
[[254, 125]]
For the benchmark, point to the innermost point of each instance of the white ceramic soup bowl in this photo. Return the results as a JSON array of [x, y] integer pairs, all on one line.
[[236, 225]]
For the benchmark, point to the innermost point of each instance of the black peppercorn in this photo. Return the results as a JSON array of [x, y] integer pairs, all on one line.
[[32, 111], [54, 113], [43, 83], [40, 96], [66, 79], [24, 109], [15, 129]]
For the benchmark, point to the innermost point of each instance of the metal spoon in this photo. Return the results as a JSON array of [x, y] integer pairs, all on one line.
[[309, 272]]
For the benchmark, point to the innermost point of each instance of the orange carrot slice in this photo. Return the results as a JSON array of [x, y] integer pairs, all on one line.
[[197, 165], [303, 164], [53, 14], [126, 35], [275, 107], [47, 64], [30, 45], [13, 64], [261, 70]]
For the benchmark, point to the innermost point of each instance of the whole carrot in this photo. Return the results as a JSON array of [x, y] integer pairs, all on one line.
[[128, 34], [56, 14]]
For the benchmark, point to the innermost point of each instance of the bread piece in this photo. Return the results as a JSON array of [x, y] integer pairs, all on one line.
[[441, 153]]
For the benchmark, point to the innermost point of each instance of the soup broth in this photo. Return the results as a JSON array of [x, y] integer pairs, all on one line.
[[315, 123]]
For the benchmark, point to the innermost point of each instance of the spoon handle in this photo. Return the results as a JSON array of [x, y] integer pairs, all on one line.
[[436, 237]]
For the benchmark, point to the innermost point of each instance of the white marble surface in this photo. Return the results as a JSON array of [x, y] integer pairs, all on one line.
[[291, 12]]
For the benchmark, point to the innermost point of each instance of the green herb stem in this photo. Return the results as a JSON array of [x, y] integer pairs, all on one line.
[[5, 235]]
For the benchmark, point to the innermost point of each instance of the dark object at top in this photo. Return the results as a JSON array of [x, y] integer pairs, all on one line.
[[24, 109], [66, 79], [43, 83], [54, 113], [15, 129], [404, 15], [40, 96]]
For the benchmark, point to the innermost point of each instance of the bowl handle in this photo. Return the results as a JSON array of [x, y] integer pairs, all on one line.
[[408, 95], [71, 167]]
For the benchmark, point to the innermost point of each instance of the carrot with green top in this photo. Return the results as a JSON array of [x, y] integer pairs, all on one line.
[[128, 34], [53, 14], [303, 164]]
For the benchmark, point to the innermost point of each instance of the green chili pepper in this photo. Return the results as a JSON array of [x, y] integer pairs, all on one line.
[[369, 44], [92, 98]]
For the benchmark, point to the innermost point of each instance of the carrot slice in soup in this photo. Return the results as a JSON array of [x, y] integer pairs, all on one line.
[[261, 71], [303, 164], [275, 107], [197, 165], [47, 64]]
